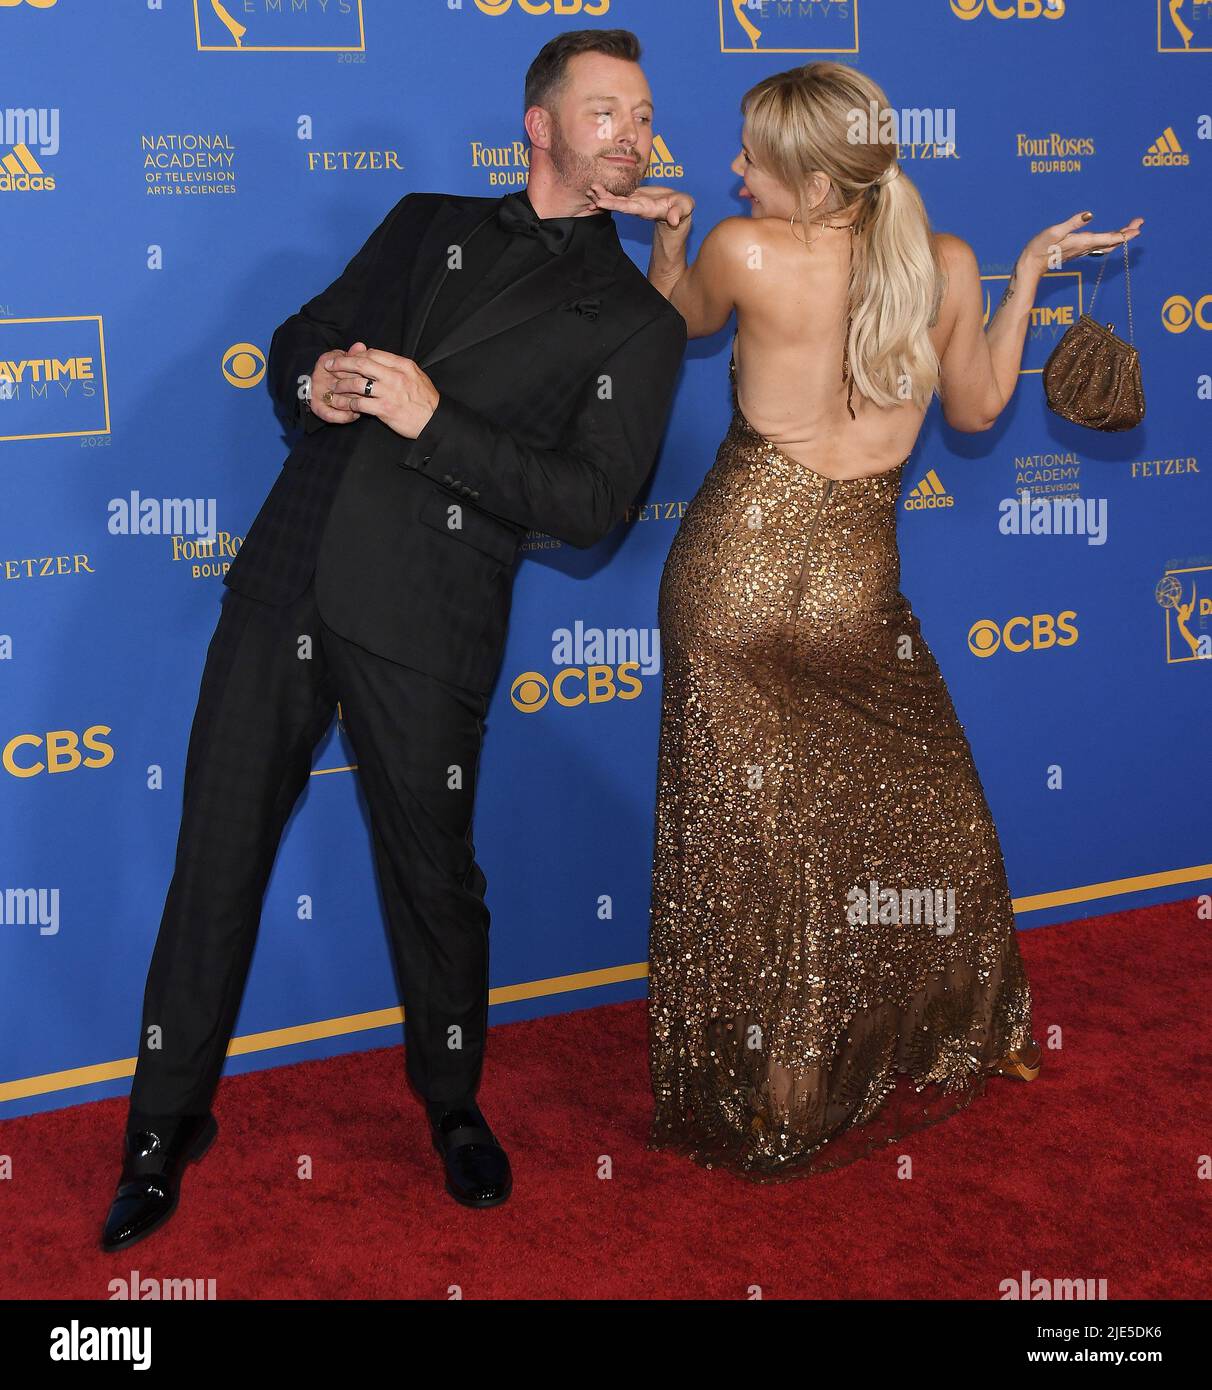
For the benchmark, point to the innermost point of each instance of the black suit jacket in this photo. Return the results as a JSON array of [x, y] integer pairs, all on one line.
[[554, 398]]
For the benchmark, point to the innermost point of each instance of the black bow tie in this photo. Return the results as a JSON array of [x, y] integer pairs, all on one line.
[[516, 215]]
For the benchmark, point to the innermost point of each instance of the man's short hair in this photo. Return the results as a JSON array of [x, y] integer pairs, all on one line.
[[548, 74]]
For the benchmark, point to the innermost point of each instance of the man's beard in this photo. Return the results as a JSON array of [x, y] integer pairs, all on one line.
[[578, 170]]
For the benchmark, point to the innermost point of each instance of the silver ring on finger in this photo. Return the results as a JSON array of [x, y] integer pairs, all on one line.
[[367, 390]]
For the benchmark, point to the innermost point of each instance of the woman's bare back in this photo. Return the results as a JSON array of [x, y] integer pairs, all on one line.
[[791, 318]]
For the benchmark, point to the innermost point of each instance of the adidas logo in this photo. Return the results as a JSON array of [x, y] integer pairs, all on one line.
[[20, 172], [661, 163], [928, 494], [1165, 152]]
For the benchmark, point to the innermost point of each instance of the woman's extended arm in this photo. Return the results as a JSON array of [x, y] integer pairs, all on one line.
[[668, 264], [702, 292], [980, 368]]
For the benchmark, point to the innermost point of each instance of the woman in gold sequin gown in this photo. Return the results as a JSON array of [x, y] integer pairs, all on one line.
[[833, 959], [808, 748]]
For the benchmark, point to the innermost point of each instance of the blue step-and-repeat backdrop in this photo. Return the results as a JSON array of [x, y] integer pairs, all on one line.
[[177, 176]]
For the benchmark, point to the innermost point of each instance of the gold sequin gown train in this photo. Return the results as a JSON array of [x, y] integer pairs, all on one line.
[[809, 747]]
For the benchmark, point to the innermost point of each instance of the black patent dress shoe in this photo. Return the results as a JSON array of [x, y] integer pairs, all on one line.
[[153, 1162], [477, 1168]]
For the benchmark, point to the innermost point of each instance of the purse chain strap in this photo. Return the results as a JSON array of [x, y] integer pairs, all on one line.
[[1127, 288]]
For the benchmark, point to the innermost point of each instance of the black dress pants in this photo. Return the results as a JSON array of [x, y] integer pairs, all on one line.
[[270, 686]]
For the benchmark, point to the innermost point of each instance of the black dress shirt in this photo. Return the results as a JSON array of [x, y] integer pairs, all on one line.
[[493, 258]]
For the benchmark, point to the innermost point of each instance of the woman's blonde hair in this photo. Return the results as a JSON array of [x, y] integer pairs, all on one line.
[[805, 120]]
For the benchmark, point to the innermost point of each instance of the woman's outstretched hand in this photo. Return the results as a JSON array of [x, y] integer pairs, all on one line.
[[1065, 241], [665, 205]]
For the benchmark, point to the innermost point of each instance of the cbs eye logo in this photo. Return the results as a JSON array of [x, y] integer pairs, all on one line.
[[244, 365], [1178, 313], [530, 691], [573, 686], [1037, 632], [62, 751], [1012, 9], [542, 7]]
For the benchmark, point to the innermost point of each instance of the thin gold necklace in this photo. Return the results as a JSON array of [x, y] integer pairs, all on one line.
[[835, 226]]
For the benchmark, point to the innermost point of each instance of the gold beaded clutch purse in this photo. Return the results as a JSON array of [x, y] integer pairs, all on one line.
[[1092, 376]]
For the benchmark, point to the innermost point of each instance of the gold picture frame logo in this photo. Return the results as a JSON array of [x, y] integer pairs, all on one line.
[[223, 19], [1183, 642], [1179, 26], [738, 22], [102, 377]]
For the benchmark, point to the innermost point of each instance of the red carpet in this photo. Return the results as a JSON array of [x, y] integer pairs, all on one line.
[[1089, 1172]]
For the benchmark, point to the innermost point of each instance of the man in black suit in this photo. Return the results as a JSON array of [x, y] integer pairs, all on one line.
[[527, 387]]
